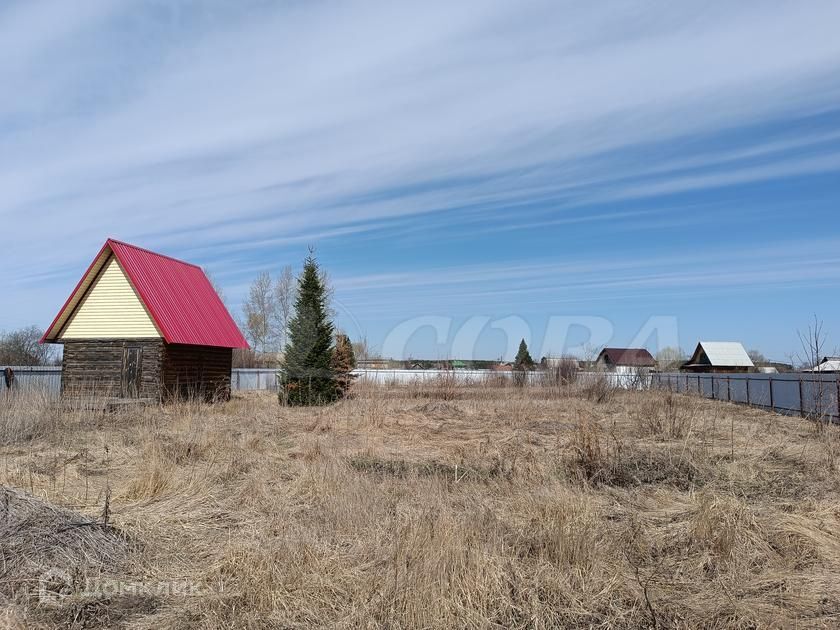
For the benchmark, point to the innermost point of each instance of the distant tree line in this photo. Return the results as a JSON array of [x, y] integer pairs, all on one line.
[[21, 347]]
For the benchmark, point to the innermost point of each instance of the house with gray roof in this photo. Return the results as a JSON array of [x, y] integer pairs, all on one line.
[[829, 365], [719, 356]]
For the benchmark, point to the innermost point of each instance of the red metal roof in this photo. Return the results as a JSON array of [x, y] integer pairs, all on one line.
[[178, 296], [637, 357]]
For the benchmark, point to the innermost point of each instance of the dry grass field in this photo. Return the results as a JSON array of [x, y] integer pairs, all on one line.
[[421, 507]]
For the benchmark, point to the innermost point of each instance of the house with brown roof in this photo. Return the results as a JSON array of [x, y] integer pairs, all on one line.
[[624, 360], [141, 325]]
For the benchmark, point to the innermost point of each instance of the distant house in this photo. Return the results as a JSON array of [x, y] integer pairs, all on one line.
[[146, 326], [719, 356], [624, 360], [829, 365], [553, 362]]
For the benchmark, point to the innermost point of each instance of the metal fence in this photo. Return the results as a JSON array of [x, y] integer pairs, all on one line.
[[266, 378], [405, 377], [247, 379], [806, 395], [478, 377], [45, 379], [48, 379]]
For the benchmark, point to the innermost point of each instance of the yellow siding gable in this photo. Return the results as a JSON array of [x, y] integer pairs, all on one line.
[[111, 309]]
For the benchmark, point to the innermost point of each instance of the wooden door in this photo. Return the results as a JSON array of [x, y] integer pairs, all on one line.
[[132, 359]]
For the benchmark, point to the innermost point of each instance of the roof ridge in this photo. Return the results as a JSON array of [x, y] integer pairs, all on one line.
[[149, 251]]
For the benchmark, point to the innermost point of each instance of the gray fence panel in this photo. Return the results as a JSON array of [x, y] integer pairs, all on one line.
[[738, 390], [719, 389], [249, 379], [46, 379], [812, 395], [694, 385], [786, 395], [760, 391], [819, 397]]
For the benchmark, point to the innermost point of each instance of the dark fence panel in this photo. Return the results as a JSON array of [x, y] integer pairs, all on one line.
[[808, 395], [738, 390], [46, 379]]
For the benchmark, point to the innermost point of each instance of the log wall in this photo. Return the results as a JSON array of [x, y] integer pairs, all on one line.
[[94, 367], [200, 371]]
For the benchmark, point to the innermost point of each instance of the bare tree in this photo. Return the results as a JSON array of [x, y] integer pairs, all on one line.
[[813, 341], [260, 314], [285, 292], [669, 358], [590, 354], [757, 357], [362, 349], [217, 288], [21, 347]]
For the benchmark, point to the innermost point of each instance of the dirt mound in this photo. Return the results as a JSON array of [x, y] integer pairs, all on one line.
[[43, 546]]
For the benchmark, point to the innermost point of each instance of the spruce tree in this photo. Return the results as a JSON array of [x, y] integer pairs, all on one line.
[[523, 359], [306, 375], [521, 364], [344, 362]]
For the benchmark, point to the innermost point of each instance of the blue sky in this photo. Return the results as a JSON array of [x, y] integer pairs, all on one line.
[[550, 169]]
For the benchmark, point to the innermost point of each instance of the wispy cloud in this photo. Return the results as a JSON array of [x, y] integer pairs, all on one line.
[[240, 130]]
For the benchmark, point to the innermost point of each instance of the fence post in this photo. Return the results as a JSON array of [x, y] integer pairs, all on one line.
[[728, 388], [837, 382], [747, 383], [770, 385], [801, 399], [699, 389]]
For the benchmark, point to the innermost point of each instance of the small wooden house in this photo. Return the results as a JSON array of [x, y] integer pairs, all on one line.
[[145, 326], [624, 360], [719, 356]]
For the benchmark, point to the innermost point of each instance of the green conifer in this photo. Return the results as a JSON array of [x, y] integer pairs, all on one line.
[[522, 364], [306, 374], [523, 359]]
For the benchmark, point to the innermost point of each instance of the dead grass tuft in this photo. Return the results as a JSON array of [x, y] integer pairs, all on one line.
[[47, 547], [667, 416], [597, 388]]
